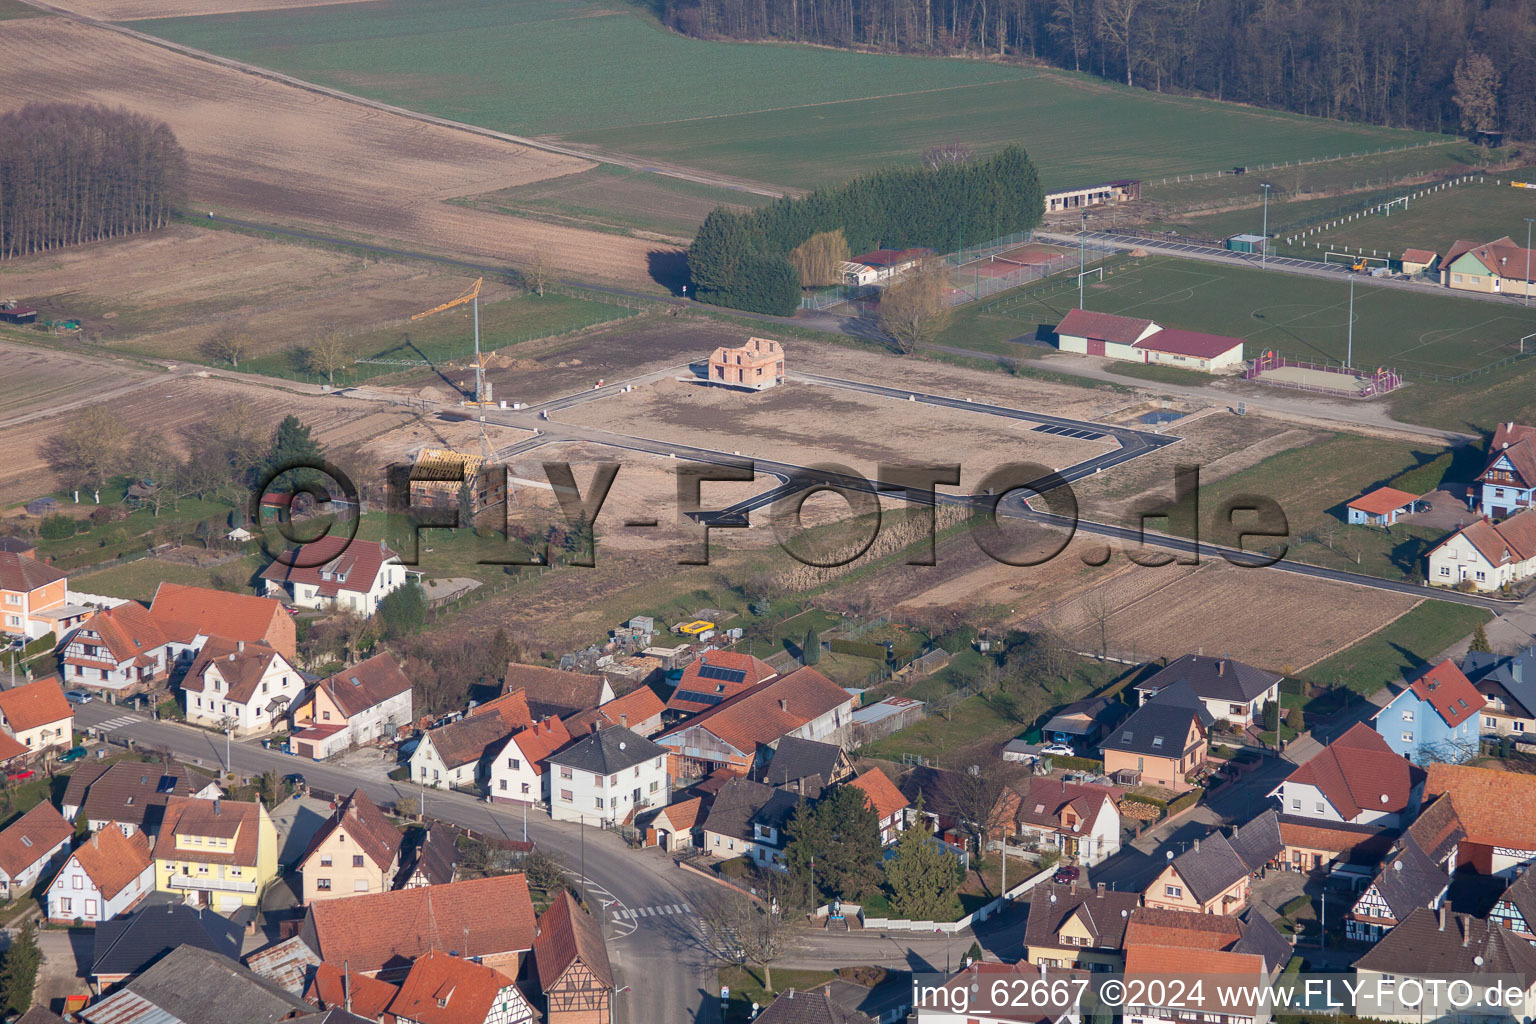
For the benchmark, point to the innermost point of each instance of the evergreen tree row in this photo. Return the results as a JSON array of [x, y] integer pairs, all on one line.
[[72, 173], [739, 259]]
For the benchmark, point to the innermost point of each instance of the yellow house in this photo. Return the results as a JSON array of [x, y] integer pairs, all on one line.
[[1069, 926], [220, 854], [356, 851], [1206, 879]]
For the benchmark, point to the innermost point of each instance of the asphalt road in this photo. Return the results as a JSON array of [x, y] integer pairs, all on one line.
[[653, 942]]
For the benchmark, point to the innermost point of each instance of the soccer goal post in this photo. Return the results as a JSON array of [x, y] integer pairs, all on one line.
[[1091, 272], [1353, 258]]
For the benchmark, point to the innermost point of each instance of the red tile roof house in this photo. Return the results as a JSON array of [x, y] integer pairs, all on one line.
[[248, 685], [738, 733], [1499, 267], [333, 573], [30, 845], [1508, 480], [518, 770], [381, 934], [640, 711], [1499, 836], [37, 716], [444, 988], [713, 677], [1382, 507], [888, 803], [1079, 819], [1486, 556], [457, 754], [369, 701], [1434, 718], [572, 964], [121, 649], [190, 615], [107, 875], [1139, 340], [1358, 780]]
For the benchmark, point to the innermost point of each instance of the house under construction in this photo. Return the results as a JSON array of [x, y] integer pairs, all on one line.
[[443, 478]]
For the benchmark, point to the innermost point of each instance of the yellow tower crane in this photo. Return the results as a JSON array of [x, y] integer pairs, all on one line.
[[472, 295]]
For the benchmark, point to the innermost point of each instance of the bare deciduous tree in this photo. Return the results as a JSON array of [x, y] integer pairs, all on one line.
[[914, 309], [974, 794], [538, 275], [1477, 93], [328, 353], [948, 154], [229, 345], [739, 930], [92, 447]]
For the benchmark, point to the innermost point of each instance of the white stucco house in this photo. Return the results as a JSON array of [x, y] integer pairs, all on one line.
[[519, 771], [107, 875], [1486, 555], [31, 845], [366, 702], [332, 573], [608, 776], [246, 685], [1358, 779]]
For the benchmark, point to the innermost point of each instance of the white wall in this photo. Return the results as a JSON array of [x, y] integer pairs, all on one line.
[[73, 895], [575, 798], [211, 706]]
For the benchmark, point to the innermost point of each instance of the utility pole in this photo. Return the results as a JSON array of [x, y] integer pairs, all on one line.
[[1082, 259], [1349, 351], [1528, 222], [1264, 252]]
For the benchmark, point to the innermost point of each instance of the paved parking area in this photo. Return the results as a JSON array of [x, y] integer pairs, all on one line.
[[297, 821]]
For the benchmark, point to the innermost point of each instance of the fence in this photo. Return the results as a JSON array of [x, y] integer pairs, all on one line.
[[1381, 382], [951, 927], [1363, 208], [1207, 175]]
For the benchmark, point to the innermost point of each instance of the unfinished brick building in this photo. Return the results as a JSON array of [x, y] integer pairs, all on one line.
[[756, 365]]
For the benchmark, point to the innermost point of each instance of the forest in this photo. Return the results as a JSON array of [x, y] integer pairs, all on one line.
[[757, 260], [72, 173], [1435, 65]]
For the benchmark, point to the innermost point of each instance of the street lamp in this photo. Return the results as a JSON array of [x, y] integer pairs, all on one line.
[[1528, 222], [1082, 259], [1264, 252]]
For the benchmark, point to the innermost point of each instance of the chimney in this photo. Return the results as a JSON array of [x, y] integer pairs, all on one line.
[[1466, 929], [1101, 890], [1221, 667], [783, 704], [1197, 846], [1442, 917], [240, 646], [624, 719]]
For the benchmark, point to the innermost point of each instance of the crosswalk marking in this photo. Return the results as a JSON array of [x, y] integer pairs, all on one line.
[[117, 723], [630, 914]]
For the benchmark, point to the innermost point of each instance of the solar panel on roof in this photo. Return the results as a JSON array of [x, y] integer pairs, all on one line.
[[729, 675], [697, 697]]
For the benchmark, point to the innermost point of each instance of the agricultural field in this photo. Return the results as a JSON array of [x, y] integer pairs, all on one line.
[[276, 154], [617, 199], [1417, 333], [165, 294], [1476, 212], [795, 116]]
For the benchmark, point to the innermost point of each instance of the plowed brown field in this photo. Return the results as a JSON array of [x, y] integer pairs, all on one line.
[[132, 10], [281, 155]]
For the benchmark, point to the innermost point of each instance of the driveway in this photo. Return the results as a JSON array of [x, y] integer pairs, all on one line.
[[297, 821], [66, 963]]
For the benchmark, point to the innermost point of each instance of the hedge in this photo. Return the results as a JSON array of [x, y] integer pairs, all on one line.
[[1186, 801], [1078, 764], [1152, 801], [857, 648]]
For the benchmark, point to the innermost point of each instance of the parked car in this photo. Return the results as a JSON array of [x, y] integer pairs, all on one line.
[[74, 754], [19, 774], [78, 697], [295, 780], [1057, 750], [1065, 875]]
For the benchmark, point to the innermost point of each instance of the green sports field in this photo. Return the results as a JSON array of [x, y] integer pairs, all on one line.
[[1302, 317], [1475, 212], [792, 115]]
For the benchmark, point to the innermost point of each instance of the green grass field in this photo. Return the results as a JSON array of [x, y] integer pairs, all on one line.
[[793, 115], [1306, 317], [1403, 646], [1476, 212]]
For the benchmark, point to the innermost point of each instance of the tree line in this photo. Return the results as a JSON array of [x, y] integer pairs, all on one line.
[[753, 259], [72, 173], [1394, 64]]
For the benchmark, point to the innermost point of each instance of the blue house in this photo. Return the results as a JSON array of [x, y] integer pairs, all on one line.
[[1435, 718], [1508, 481]]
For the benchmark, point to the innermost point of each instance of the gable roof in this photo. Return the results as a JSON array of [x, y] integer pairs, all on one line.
[[795, 759], [32, 837], [240, 664], [1359, 844], [1212, 678], [684, 815], [1166, 963], [1185, 929], [637, 706], [1438, 829], [436, 857], [194, 985], [185, 612], [1419, 255], [813, 1007], [1156, 729], [129, 943], [1105, 914], [331, 984], [1512, 540], [362, 820], [1500, 256], [1190, 343], [540, 740], [735, 806], [1358, 772], [1422, 945], [477, 917], [366, 684], [33, 704], [1409, 879], [133, 792], [1081, 716], [470, 738], [1258, 842], [238, 820], [1483, 799], [1449, 692], [1210, 867], [553, 691], [1120, 330], [1261, 938], [1511, 676], [111, 860], [444, 989], [880, 792], [568, 934], [765, 713], [333, 564], [608, 751], [288, 963], [716, 676], [1041, 800], [126, 631], [23, 574], [1383, 500]]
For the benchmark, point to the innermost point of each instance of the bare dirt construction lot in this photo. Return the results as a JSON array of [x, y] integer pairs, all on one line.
[[132, 10], [168, 292], [165, 404], [278, 154]]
